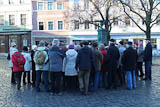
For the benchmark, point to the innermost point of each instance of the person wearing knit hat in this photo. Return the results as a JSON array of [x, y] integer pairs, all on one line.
[[71, 46]]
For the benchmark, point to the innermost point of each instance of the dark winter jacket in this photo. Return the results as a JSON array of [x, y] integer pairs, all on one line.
[[84, 59], [55, 59], [112, 58], [148, 52], [97, 59], [129, 59]]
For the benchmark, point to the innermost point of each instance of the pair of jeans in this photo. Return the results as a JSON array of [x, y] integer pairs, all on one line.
[[56, 78], [148, 72], [94, 78], [83, 78], [17, 76], [28, 76], [131, 79], [45, 79]]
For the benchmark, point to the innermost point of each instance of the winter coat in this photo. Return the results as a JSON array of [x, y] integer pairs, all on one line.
[[17, 68], [32, 57], [97, 59], [112, 58], [148, 52], [121, 51], [55, 59], [46, 64], [12, 51], [103, 67], [129, 59], [140, 54], [69, 63], [27, 66], [84, 59]]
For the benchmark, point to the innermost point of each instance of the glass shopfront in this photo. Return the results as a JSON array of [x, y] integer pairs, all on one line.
[[2, 44]]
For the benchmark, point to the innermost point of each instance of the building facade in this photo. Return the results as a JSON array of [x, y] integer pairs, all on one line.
[[50, 20], [15, 23]]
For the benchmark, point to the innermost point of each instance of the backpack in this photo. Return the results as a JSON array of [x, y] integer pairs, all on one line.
[[40, 58], [20, 60]]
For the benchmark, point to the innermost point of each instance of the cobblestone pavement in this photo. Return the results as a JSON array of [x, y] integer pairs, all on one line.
[[147, 94]]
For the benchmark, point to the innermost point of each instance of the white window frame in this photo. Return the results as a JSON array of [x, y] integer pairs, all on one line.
[[38, 6], [52, 5], [62, 6], [48, 25], [3, 20], [62, 25], [43, 26]]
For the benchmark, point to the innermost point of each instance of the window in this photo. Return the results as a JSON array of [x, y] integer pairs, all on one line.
[[23, 19], [21, 1], [41, 26], [86, 25], [86, 4], [76, 24], [115, 21], [50, 5], [10, 1], [11, 20], [50, 25], [1, 20], [59, 6], [60, 25], [127, 21], [40, 5]]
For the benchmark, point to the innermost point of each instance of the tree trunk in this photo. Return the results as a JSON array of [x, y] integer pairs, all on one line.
[[148, 32]]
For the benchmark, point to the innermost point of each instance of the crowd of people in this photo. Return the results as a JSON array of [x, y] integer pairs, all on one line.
[[85, 67]]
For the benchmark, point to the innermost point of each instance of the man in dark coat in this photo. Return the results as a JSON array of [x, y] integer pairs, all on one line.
[[129, 64], [84, 63], [111, 62], [148, 60]]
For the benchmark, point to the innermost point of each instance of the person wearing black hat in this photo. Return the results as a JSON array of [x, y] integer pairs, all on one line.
[[129, 64], [83, 63], [111, 62], [148, 60]]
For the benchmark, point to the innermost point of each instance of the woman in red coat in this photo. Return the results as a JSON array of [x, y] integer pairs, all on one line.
[[103, 73], [18, 67]]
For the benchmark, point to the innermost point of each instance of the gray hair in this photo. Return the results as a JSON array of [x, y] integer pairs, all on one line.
[[41, 43], [55, 42]]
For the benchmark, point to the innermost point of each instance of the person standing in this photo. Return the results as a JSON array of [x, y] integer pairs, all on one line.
[[148, 60], [84, 63], [140, 60], [69, 70], [12, 50], [27, 66], [111, 62], [129, 64], [42, 66], [95, 73], [18, 67], [55, 66], [33, 51], [121, 73], [103, 73]]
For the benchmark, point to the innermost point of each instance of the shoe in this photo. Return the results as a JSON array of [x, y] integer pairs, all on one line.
[[141, 75], [18, 87]]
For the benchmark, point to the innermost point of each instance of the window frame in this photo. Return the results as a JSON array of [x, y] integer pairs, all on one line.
[[62, 25], [39, 25]]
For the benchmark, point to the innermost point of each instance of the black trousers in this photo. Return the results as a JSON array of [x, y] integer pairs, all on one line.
[[121, 75], [139, 68], [33, 76], [17, 76], [112, 78], [56, 78], [12, 77], [71, 82]]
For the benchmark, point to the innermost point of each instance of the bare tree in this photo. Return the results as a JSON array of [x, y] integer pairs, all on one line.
[[100, 11], [146, 10]]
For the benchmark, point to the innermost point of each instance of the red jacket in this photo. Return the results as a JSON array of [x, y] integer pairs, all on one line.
[[104, 52], [16, 67]]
